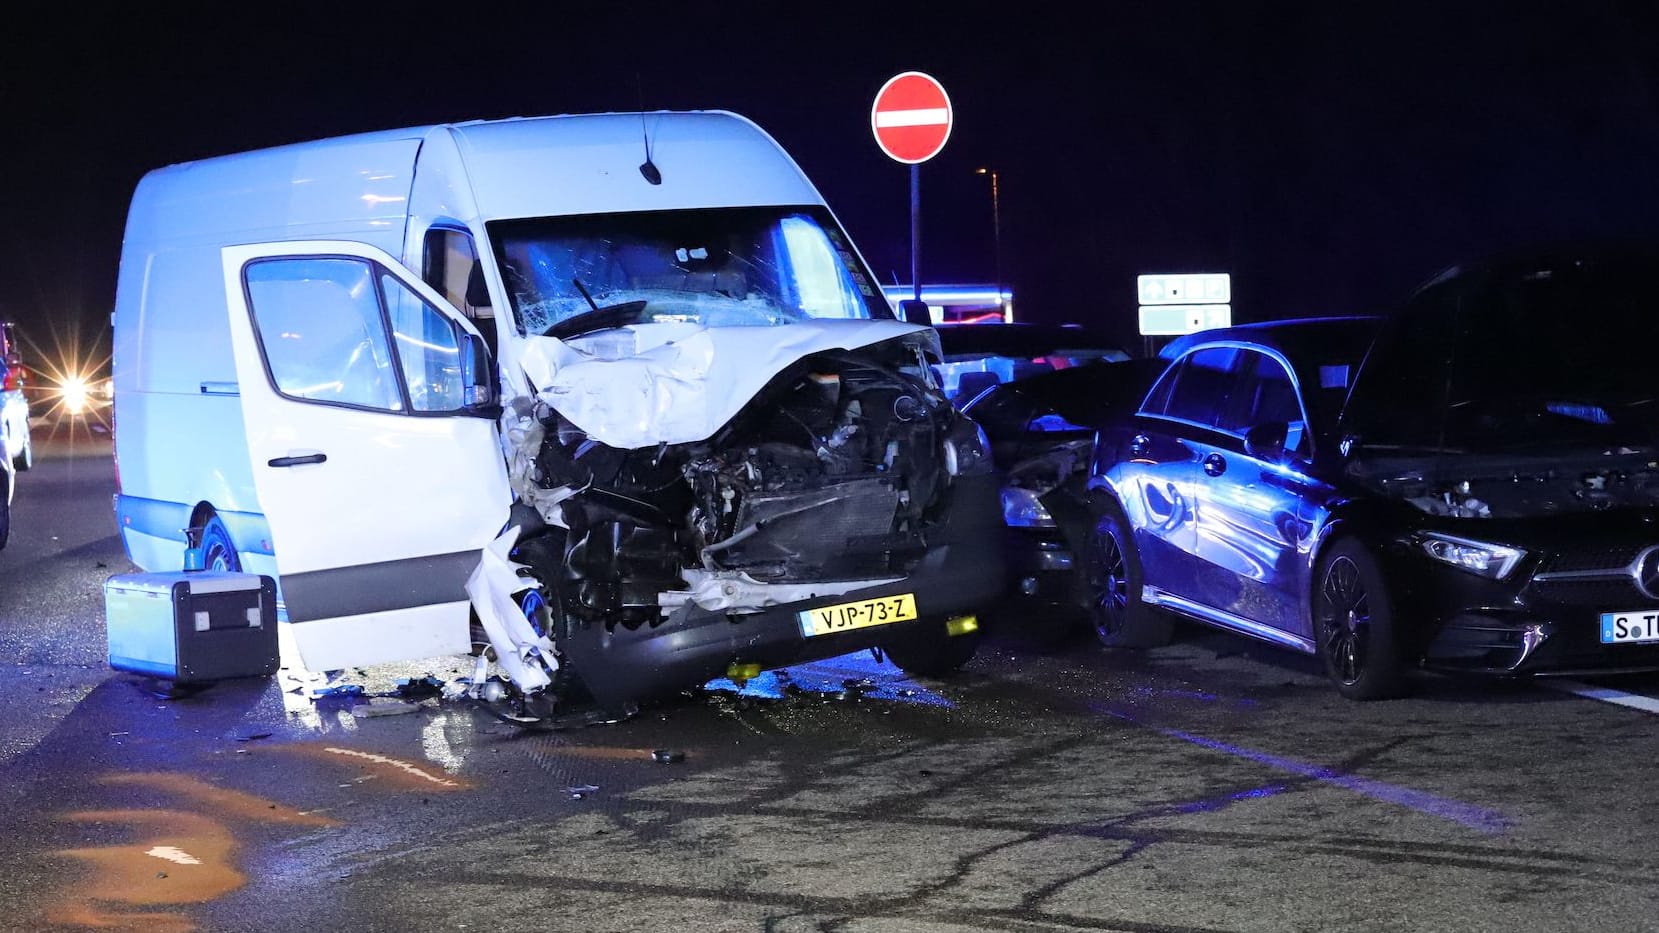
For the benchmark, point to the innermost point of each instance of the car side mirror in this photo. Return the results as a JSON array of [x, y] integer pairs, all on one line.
[[1266, 441], [914, 311], [477, 376]]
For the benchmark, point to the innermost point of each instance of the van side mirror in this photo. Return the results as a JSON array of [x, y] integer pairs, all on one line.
[[477, 376], [914, 311]]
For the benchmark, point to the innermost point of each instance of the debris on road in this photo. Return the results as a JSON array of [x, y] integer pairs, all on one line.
[[381, 707], [667, 756], [582, 791]]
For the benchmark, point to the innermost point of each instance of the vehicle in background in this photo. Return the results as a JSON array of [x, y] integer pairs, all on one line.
[[719, 451], [1484, 498], [77, 396], [978, 356], [15, 438], [1042, 429]]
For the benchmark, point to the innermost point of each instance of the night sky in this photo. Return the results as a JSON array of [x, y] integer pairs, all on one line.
[[1331, 156]]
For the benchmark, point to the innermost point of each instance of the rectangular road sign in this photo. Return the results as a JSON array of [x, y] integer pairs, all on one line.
[[1199, 288], [1171, 320]]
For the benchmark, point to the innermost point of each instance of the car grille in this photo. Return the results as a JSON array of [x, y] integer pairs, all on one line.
[[1611, 560], [1592, 576]]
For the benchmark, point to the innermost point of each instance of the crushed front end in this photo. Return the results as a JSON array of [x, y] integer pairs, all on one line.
[[845, 506]]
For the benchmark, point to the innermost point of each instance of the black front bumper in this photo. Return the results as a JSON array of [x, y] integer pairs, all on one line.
[[962, 573], [1546, 617]]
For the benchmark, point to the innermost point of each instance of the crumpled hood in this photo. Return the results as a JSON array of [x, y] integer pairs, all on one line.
[[673, 383]]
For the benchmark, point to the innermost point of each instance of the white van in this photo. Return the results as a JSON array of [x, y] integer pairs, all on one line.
[[616, 389]]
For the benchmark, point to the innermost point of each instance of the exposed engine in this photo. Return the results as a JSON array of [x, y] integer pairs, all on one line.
[[1515, 487], [833, 472]]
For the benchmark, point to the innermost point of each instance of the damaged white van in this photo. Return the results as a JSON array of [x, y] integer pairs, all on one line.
[[614, 392]]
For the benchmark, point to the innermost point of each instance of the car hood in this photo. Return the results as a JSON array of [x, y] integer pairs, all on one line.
[[1535, 484], [674, 383]]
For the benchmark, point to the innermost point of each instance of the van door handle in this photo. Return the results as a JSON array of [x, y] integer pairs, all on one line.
[[298, 459], [1215, 464]]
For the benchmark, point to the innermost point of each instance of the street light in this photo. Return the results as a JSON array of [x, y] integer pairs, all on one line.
[[996, 228]]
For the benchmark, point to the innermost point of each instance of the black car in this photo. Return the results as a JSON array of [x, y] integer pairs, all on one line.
[[979, 356], [1475, 490], [1039, 392]]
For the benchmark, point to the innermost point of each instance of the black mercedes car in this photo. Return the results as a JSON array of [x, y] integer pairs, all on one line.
[[1470, 483]]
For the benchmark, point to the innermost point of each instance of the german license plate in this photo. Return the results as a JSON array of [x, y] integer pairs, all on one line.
[[844, 617], [1637, 627]]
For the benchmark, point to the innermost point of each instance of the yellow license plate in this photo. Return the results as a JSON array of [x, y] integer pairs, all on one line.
[[844, 617]]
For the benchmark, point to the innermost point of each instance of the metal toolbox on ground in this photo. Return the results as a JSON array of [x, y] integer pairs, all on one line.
[[194, 626]]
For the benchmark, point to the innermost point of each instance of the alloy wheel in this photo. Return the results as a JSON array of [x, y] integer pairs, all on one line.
[[1108, 581], [1344, 620]]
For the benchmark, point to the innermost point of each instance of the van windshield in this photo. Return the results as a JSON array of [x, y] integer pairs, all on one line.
[[717, 267]]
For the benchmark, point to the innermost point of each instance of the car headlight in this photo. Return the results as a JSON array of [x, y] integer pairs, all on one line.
[[967, 449], [1478, 557], [1022, 509]]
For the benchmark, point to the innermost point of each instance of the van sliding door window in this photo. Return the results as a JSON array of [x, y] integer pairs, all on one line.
[[321, 331], [426, 348]]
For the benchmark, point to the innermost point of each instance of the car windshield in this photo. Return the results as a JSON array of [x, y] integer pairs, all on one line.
[[1551, 355], [715, 267]]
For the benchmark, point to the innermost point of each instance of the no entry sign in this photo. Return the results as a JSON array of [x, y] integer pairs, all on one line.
[[911, 117]]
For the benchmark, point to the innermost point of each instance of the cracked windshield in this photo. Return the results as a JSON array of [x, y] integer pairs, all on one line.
[[719, 268]]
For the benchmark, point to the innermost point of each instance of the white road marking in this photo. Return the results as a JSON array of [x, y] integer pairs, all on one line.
[[1646, 704], [174, 855], [403, 766]]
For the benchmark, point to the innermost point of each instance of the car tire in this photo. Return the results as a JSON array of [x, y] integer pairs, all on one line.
[[930, 650], [218, 550], [1353, 624], [1112, 575], [26, 458], [5, 511]]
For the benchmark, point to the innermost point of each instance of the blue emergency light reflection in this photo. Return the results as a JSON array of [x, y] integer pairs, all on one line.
[[1477, 818], [882, 681]]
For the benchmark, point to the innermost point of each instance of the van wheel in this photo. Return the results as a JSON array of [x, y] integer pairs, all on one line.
[[26, 459], [1112, 573], [5, 511], [218, 550], [1353, 624], [930, 650]]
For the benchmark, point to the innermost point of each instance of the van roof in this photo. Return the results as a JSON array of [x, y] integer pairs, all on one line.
[[360, 185]]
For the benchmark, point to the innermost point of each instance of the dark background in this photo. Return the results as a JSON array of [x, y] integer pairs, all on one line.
[[1330, 156]]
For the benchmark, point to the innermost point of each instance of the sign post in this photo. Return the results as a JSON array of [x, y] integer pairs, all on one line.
[[911, 119]]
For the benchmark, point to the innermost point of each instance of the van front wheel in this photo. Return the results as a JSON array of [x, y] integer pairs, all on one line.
[[212, 538]]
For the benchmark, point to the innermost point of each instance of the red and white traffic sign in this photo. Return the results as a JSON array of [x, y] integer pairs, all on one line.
[[911, 117]]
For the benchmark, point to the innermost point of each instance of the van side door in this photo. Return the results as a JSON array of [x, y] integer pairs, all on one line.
[[377, 465]]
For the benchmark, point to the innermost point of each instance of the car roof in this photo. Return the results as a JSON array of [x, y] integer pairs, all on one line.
[[1545, 255], [1289, 336], [1019, 339]]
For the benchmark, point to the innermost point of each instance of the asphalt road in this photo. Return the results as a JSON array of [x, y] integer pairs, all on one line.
[[1211, 785]]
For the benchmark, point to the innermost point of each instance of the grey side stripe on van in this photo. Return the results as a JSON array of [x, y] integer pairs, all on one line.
[[382, 587]]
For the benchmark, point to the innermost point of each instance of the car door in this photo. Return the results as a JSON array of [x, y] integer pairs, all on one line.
[[1156, 475], [379, 480], [1252, 518]]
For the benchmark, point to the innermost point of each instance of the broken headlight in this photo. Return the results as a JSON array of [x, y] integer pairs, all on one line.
[[1021, 508], [967, 449], [1494, 561]]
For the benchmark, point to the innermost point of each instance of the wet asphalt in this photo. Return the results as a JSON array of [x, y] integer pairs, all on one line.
[[1211, 785]]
